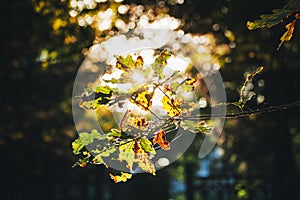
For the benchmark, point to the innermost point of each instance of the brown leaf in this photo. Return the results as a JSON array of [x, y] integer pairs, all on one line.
[[160, 139]]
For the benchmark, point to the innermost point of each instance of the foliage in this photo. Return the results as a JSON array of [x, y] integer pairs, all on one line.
[[277, 17], [139, 135]]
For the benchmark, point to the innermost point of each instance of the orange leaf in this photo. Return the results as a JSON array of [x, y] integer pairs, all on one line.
[[289, 32], [161, 141], [123, 178]]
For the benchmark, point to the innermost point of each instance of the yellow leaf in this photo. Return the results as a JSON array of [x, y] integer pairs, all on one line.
[[123, 178], [143, 98], [288, 34], [143, 159], [171, 106], [127, 153]]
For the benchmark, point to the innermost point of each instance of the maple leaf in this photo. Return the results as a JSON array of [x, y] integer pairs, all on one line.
[[120, 178], [160, 139], [86, 139]]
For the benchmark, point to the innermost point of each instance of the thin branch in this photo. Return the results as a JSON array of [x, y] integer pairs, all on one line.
[[244, 113]]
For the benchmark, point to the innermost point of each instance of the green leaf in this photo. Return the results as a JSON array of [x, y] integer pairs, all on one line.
[[84, 161], [187, 88], [113, 80], [196, 126], [127, 153], [174, 86], [160, 62], [125, 63], [147, 145], [92, 99], [278, 16], [105, 152], [88, 138], [77, 146], [269, 20]]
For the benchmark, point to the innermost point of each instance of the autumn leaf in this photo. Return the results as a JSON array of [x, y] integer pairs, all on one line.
[[269, 20], [196, 126], [188, 85], [105, 152], [139, 123], [160, 62], [84, 161], [171, 106], [160, 139], [142, 98], [120, 178], [125, 63], [93, 98], [143, 159], [147, 145], [288, 34], [127, 153], [139, 63]]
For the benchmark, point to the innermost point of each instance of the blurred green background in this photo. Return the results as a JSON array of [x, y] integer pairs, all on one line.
[[42, 46]]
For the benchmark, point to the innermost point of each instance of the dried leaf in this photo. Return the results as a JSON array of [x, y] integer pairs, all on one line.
[[160, 139]]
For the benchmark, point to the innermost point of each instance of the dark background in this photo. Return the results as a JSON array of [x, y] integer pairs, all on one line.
[[37, 128]]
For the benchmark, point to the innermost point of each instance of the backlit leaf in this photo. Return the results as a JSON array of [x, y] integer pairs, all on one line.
[[120, 178], [160, 139], [139, 63], [84, 161], [171, 106], [105, 152], [289, 32], [143, 98], [160, 62], [77, 146], [125, 63], [143, 159], [92, 99], [147, 145], [195, 126], [269, 20], [127, 153]]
